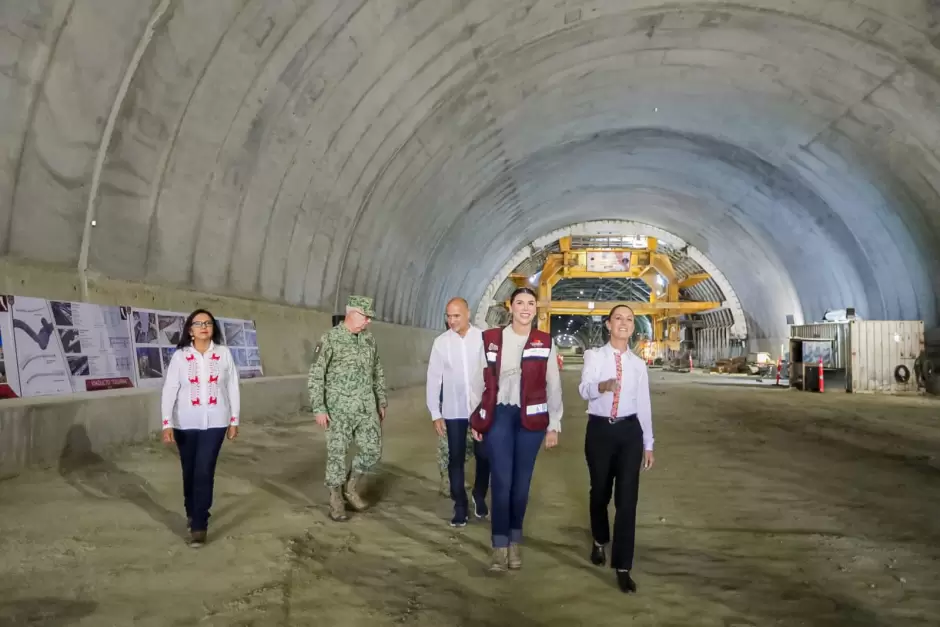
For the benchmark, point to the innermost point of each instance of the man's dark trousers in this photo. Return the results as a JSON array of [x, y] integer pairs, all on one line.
[[456, 456]]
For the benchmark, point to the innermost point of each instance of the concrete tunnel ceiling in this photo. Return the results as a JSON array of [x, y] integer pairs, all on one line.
[[299, 151]]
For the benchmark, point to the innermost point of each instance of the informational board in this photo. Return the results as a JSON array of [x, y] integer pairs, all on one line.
[[63, 347], [608, 261], [241, 337], [9, 373], [156, 334]]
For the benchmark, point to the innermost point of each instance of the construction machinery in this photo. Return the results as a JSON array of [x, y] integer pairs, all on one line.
[[640, 260]]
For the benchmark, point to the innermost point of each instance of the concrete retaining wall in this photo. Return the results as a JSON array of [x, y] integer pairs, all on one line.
[[35, 431]]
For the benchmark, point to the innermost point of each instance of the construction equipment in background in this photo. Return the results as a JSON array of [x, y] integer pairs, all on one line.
[[640, 261]]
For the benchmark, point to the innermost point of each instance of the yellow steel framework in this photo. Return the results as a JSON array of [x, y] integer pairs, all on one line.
[[636, 263]]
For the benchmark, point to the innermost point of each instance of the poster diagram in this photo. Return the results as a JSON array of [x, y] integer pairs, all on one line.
[[61, 347], [241, 337], [96, 344], [156, 334], [66, 347], [9, 374], [41, 365]]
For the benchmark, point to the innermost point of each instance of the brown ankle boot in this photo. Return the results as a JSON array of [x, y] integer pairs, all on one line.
[[515, 557], [337, 505], [500, 560], [352, 497]]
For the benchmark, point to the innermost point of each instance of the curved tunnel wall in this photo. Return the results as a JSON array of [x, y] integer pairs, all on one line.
[[298, 151]]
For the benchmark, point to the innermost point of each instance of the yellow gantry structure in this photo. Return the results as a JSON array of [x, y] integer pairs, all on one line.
[[644, 263]]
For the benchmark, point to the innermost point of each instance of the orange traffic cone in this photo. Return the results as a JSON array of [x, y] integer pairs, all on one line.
[[822, 380], [778, 371]]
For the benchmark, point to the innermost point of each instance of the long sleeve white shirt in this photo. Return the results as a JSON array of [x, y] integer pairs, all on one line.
[[453, 367], [510, 377], [200, 391], [600, 365]]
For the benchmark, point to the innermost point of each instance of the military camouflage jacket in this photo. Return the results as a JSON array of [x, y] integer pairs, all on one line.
[[346, 367]]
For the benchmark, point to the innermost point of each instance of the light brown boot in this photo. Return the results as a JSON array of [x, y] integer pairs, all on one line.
[[500, 560], [515, 557], [337, 505], [352, 497]]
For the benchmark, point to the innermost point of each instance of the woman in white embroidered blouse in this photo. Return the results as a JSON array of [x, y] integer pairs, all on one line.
[[200, 406]]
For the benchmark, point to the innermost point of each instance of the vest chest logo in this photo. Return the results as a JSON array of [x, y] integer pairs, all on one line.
[[537, 343], [492, 347]]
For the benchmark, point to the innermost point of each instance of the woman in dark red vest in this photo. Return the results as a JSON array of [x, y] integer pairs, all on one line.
[[520, 408]]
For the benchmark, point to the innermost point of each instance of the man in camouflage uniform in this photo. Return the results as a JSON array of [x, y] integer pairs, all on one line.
[[348, 396]]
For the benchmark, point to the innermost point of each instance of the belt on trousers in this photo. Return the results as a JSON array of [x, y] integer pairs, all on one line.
[[612, 420]]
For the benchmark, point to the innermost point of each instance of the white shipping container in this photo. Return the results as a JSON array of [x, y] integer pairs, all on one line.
[[877, 348]]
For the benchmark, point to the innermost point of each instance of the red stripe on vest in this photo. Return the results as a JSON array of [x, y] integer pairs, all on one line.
[[534, 396]]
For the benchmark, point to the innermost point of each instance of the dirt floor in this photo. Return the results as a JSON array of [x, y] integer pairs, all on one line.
[[765, 507]]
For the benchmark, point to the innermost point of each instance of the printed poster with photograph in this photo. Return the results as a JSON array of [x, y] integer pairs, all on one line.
[[156, 334], [9, 373], [241, 337], [64, 347]]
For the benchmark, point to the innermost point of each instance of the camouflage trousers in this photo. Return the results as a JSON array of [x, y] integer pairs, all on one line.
[[362, 428], [443, 453]]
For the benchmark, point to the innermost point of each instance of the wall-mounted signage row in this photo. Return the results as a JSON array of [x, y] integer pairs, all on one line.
[[51, 347]]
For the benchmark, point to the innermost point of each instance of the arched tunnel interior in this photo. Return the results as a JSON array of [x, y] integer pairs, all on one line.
[[269, 158], [298, 152]]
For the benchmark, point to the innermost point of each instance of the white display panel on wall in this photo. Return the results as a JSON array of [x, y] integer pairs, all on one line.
[[60, 347], [156, 334], [9, 373], [242, 340]]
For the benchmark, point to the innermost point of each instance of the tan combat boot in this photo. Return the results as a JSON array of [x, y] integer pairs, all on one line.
[[500, 560], [352, 497], [515, 557], [337, 505]]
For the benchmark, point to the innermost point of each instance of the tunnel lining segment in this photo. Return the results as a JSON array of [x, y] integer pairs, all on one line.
[[621, 228]]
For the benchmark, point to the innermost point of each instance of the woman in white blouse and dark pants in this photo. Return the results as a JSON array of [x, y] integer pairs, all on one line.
[[200, 406], [619, 440]]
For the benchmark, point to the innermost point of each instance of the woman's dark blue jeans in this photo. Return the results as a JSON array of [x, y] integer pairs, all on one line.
[[511, 450], [199, 451]]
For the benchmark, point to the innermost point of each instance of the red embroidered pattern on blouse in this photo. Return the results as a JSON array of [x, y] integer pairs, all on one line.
[[214, 379], [193, 378], [195, 388]]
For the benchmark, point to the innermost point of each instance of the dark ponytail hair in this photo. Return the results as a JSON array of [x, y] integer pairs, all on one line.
[[187, 340]]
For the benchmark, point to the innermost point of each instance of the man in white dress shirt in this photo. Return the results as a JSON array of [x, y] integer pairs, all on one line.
[[453, 370], [619, 440]]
